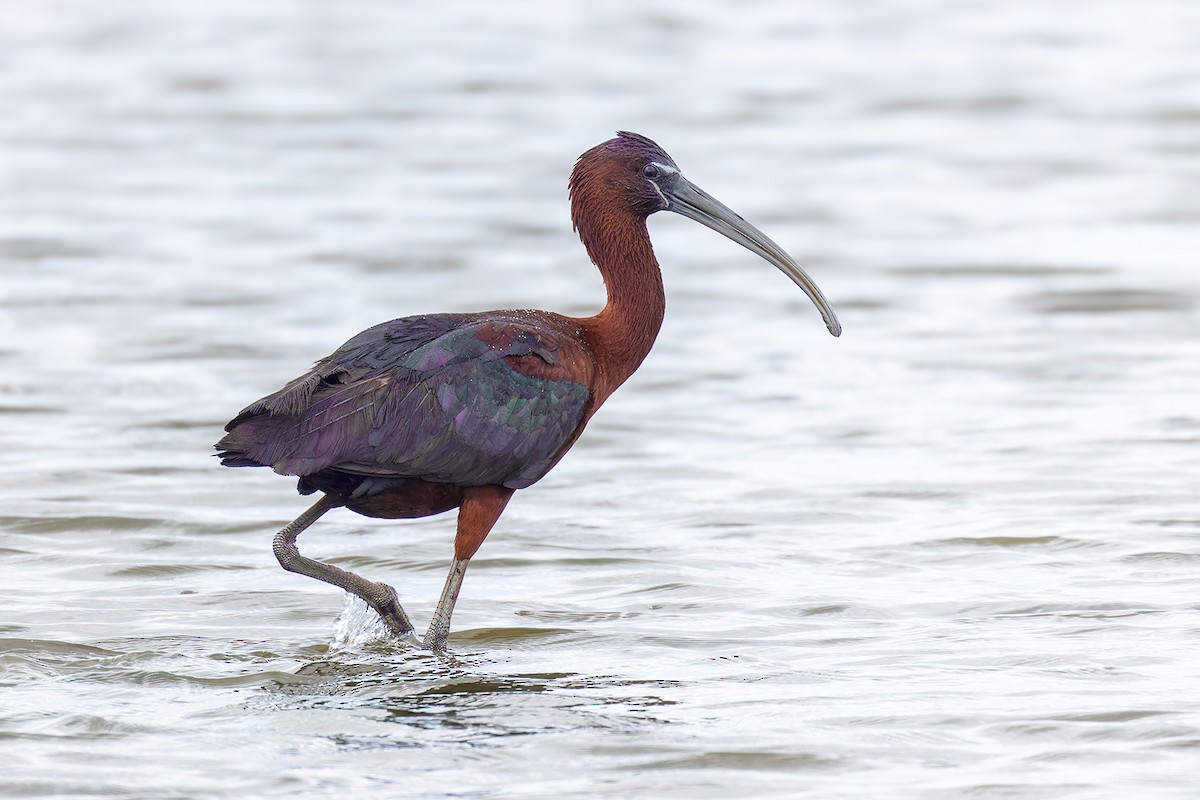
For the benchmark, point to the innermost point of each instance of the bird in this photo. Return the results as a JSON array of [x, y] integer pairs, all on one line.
[[426, 414]]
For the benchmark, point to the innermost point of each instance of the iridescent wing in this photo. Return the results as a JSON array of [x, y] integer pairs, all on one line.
[[464, 399]]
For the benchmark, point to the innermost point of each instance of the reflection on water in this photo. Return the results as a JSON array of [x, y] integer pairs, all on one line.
[[952, 553]]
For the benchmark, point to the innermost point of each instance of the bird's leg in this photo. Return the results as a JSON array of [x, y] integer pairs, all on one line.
[[378, 596], [481, 507]]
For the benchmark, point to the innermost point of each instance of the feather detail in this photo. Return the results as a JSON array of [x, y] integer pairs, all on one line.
[[464, 399]]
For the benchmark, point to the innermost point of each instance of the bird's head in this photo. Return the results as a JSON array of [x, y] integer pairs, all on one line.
[[633, 175]]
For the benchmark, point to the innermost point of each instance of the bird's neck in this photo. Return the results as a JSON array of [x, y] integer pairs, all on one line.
[[622, 334]]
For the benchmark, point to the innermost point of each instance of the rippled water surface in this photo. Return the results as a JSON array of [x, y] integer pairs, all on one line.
[[952, 554]]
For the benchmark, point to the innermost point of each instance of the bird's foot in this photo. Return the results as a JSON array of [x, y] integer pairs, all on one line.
[[439, 630], [387, 605], [436, 641]]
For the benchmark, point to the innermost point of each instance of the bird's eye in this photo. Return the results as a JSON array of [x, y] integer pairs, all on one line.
[[650, 171]]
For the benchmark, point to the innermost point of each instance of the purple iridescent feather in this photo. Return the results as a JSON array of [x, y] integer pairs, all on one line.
[[432, 397]]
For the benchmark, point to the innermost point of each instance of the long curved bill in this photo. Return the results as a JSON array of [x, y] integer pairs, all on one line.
[[694, 203]]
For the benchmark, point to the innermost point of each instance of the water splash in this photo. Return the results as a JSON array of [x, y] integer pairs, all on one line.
[[358, 627]]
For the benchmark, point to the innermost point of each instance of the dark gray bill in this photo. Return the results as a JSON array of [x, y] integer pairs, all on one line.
[[694, 203]]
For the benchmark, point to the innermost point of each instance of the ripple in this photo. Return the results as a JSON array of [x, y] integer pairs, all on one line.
[[49, 647], [1108, 301], [171, 570], [1098, 611], [82, 523], [1056, 542], [743, 760], [27, 249], [998, 270]]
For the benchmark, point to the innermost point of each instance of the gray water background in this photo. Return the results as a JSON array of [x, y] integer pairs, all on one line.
[[952, 554]]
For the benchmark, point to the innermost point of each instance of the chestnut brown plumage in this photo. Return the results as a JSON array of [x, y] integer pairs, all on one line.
[[424, 414]]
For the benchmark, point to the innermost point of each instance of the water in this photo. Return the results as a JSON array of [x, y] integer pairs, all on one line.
[[951, 554]]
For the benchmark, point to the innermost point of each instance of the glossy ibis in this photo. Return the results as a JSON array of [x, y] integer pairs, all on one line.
[[424, 414]]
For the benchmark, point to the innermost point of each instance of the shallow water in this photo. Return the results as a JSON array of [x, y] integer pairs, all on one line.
[[953, 553]]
